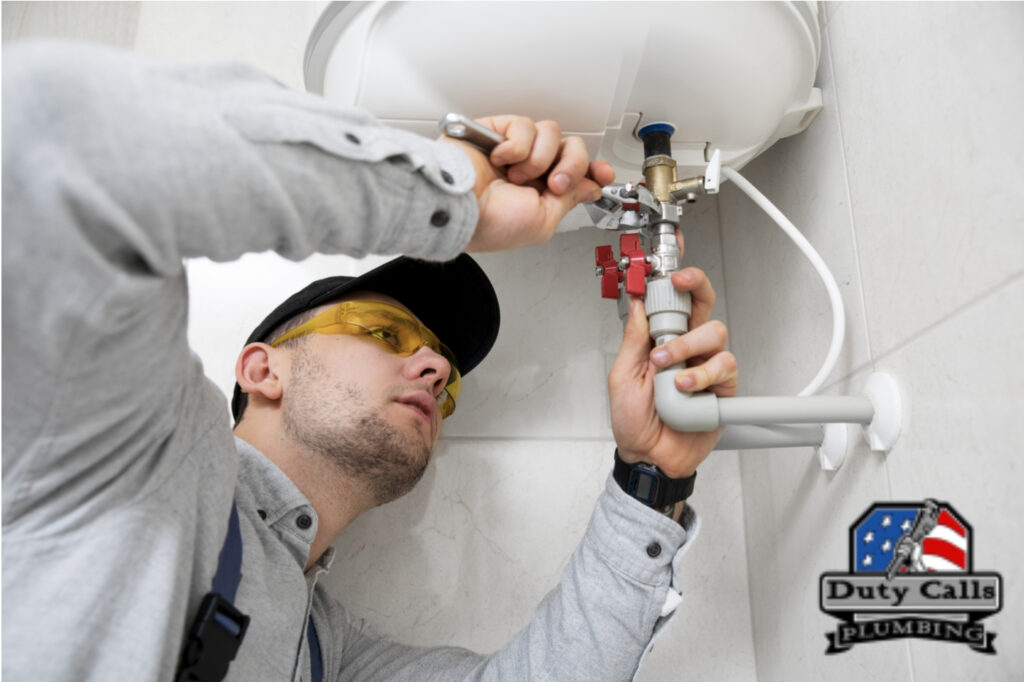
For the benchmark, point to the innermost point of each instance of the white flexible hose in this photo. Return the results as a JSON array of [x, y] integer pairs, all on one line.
[[838, 312]]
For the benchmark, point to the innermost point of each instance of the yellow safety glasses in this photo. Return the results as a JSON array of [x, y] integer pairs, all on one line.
[[391, 328]]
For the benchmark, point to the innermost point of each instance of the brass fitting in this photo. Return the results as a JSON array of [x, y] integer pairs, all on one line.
[[687, 190], [660, 175]]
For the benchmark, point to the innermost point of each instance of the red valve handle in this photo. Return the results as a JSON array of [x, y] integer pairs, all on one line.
[[638, 268], [604, 257]]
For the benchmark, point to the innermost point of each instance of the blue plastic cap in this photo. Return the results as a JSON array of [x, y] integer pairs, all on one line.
[[656, 128]]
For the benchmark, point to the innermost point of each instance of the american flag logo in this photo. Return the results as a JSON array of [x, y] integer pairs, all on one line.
[[900, 538], [911, 576]]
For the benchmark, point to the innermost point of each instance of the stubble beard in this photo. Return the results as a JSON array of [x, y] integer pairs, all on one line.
[[339, 424]]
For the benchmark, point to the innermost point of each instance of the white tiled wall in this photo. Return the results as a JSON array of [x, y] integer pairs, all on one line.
[[467, 555], [271, 35], [110, 23], [909, 185]]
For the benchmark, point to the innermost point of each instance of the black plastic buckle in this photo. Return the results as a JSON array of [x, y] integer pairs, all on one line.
[[213, 641]]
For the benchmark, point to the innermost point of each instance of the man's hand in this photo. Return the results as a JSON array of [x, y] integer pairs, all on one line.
[[639, 432], [529, 182]]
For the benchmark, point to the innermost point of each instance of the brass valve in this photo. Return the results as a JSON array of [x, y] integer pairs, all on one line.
[[660, 168]]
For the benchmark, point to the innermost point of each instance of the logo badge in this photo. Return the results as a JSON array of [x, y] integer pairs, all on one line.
[[911, 574]]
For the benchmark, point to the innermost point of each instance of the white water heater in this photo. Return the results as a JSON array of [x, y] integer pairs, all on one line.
[[732, 76]]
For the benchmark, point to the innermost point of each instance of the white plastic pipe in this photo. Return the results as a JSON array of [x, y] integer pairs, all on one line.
[[838, 312], [819, 409], [777, 436], [706, 411]]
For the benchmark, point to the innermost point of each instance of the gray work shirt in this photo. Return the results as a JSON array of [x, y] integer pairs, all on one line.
[[119, 465]]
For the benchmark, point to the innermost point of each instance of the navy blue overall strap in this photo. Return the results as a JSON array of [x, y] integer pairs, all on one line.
[[218, 629], [229, 567], [316, 665]]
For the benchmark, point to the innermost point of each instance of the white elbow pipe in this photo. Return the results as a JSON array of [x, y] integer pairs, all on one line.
[[668, 312], [683, 411]]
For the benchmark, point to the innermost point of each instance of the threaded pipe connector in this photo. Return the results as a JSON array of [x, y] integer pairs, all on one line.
[[668, 310]]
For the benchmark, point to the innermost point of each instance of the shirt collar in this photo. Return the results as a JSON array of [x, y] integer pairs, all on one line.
[[274, 492], [281, 503]]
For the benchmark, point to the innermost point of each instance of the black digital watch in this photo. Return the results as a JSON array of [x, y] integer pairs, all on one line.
[[646, 483]]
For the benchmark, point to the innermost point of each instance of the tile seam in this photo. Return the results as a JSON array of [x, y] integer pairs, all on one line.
[[849, 197], [721, 257], [954, 314], [739, 463]]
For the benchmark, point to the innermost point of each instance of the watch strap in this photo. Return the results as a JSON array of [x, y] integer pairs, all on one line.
[[649, 485]]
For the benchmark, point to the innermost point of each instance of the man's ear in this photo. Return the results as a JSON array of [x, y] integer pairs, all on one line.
[[257, 371]]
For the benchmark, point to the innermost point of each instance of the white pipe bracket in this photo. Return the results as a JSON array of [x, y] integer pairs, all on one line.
[[884, 393], [832, 452]]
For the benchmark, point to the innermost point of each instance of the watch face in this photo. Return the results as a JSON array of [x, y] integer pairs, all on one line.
[[643, 485]]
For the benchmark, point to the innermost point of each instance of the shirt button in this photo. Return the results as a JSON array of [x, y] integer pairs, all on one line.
[[305, 522], [653, 550], [440, 218], [352, 138], [263, 514], [447, 177]]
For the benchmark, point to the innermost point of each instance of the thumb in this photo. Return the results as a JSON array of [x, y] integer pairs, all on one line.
[[556, 206], [636, 342]]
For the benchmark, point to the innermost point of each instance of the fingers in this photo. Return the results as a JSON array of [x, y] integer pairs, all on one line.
[[519, 133], [602, 173], [571, 169], [707, 339], [554, 207], [701, 292], [535, 160], [718, 375], [576, 176], [529, 148], [572, 181], [532, 150]]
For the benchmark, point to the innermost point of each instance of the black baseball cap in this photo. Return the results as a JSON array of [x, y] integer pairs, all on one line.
[[455, 300]]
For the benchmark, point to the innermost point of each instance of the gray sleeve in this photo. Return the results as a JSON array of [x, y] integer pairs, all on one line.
[[164, 161], [115, 168], [596, 625]]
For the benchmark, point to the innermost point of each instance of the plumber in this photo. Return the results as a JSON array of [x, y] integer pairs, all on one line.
[[144, 537]]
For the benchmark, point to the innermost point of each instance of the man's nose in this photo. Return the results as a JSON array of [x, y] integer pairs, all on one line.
[[427, 363]]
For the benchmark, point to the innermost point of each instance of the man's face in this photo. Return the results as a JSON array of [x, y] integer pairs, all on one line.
[[372, 413]]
